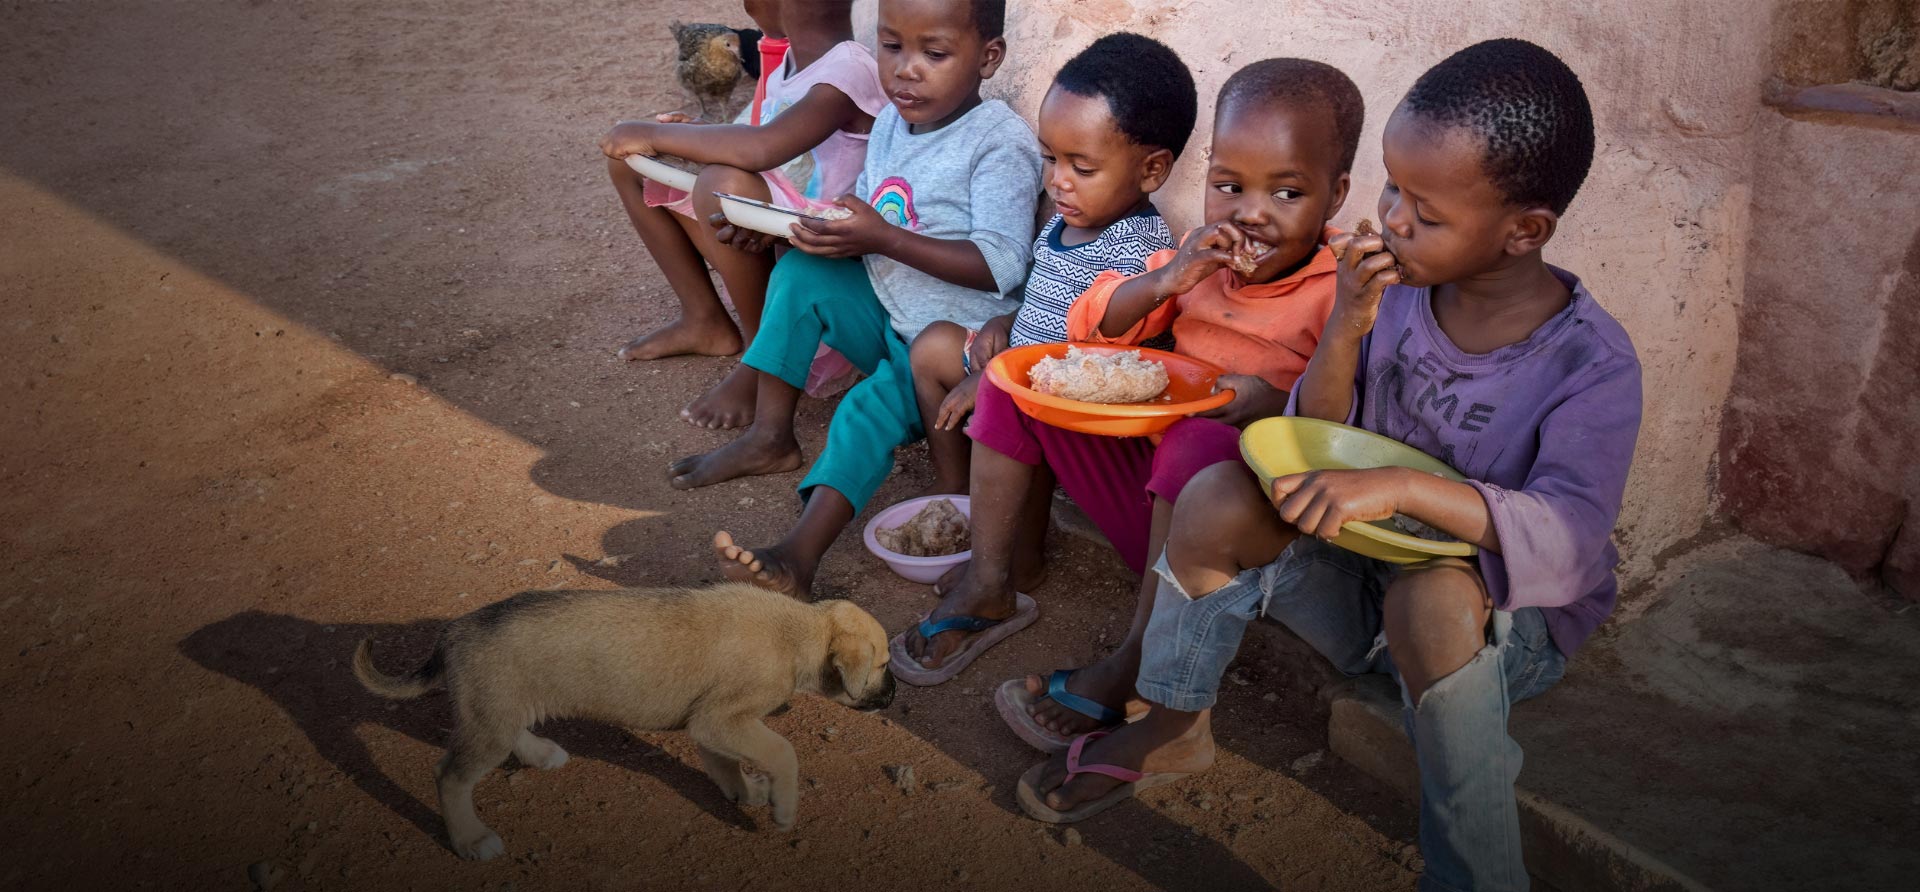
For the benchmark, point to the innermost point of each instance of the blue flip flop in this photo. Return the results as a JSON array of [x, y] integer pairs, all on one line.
[[991, 632], [1016, 706]]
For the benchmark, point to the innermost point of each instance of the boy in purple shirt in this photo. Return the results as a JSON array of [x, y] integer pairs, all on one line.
[[1449, 333]]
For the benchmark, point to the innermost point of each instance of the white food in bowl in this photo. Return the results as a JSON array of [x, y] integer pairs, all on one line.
[[1119, 377]]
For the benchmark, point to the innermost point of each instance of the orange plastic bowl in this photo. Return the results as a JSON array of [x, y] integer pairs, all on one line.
[[1189, 390]]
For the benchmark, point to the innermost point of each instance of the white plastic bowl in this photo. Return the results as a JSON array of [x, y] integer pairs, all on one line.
[[662, 173], [924, 570], [758, 215]]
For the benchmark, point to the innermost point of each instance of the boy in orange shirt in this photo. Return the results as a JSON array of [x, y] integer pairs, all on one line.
[[1284, 137]]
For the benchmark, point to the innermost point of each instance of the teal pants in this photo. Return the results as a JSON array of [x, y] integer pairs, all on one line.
[[812, 300]]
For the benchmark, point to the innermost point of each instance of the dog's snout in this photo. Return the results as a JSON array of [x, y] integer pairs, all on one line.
[[882, 698]]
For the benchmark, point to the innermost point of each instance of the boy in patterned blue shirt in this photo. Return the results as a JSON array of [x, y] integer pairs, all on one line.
[[1111, 126]]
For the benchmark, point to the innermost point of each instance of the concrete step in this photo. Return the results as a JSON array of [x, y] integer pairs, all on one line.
[[1562, 848]]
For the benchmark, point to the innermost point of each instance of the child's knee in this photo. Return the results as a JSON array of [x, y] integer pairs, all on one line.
[[936, 350], [1436, 611], [731, 180], [1221, 497]]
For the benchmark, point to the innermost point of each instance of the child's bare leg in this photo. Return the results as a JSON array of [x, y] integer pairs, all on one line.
[[1108, 681], [1436, 621], [767, 446], [937, 369], [729, 404], [1004, 494], [992, 470], [789, 565], [703, 326]]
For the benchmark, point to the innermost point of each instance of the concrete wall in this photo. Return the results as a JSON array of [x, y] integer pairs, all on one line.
[[1659, 232], [1823, 428]]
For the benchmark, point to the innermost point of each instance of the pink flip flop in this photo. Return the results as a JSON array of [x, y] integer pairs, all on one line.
[[991, 632], [1133, 784]]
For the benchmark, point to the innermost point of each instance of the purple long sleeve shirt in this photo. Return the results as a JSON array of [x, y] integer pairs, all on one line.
[[1544, 429]]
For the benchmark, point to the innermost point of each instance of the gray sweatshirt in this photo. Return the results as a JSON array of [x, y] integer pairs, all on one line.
[[977, 178]]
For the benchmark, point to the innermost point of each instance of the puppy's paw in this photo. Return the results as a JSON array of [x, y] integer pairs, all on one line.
[[553, 758], [783, 818], [538, 752], [484, 848], [755, 789]]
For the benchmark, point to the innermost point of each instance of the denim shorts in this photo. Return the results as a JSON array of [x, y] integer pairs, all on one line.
[[1332, 599]]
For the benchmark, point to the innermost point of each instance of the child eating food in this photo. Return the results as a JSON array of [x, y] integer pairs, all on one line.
[[1452, 334], [1111, 126], [1284, 136], [951, 180], [807, 149]]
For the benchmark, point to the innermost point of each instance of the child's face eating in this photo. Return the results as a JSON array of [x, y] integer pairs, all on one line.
[[1441, 216], [932, 59], [1094, 174], [1275, 175]]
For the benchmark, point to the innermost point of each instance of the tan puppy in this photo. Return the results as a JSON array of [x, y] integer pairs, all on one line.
[[713, 661]]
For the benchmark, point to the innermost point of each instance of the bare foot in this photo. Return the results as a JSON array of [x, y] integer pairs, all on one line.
[[1161, 742], [964, 602], [680, 337], [728, 405], [1108, 682], [769, 568], [749, 454], [1025, 578]]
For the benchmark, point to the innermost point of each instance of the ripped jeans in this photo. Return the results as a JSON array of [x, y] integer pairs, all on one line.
[[1332, 598]]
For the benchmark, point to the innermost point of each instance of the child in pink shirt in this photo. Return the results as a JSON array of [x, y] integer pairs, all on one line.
[[809, 147]]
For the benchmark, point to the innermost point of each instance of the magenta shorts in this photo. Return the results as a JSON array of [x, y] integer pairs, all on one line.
[[1113, 479]]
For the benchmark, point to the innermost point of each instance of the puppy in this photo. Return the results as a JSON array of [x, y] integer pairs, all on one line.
[[714, 661]]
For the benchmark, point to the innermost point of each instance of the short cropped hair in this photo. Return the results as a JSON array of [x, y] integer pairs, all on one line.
[[1529, 109], [989, 18], [1149, 91], [1301, 83]]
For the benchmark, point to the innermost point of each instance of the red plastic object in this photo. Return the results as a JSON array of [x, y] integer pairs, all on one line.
[[1189, 390]]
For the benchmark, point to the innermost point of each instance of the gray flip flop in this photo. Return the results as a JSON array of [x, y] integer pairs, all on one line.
[[991, 632]]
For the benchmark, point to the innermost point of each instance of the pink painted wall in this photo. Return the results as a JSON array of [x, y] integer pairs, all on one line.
[[1821, 445]]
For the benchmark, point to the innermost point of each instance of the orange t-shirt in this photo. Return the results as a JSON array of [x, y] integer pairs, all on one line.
[[1268, 330]]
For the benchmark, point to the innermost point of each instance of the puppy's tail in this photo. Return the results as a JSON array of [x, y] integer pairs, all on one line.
[[403, 687]]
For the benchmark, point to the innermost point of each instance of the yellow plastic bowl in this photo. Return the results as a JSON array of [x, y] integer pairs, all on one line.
[[1276, 447]]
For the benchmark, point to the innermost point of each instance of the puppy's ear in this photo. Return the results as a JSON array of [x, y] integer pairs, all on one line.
[[855, 647]]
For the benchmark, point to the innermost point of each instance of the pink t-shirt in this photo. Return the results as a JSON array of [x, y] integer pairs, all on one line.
[[826, 171]]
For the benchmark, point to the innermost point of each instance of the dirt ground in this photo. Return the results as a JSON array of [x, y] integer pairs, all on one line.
[[225, 229]]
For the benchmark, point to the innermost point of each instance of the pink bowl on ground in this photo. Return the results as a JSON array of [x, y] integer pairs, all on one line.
[[924, 570]]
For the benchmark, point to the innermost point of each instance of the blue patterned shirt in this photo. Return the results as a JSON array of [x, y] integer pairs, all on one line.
[[1061, 273]]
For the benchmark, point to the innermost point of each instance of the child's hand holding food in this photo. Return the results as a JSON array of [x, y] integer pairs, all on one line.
[[862, 231], [1208, 250], [1365, 270], [1321, 502], [1253, 399], [958, 404]]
